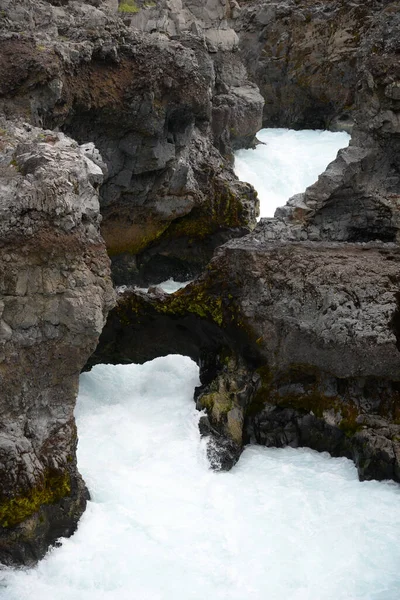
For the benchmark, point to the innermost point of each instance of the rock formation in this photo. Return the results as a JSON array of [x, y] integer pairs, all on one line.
[[158, 109], [55, 294], [296, 343], [357, 198], [296, 325], [303, 56], [161, 111]]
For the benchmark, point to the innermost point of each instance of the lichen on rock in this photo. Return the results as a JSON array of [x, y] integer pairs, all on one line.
[[18, 508]]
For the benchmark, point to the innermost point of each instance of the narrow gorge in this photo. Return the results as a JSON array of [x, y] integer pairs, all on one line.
[[119, 124]]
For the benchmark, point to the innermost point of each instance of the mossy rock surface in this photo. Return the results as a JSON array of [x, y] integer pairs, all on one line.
[[222, 211], [196, 299], [54, 487], [313, 399], [128, 6]]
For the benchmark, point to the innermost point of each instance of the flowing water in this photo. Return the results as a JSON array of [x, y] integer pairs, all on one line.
[[283, 524], [169, 286], [286, 162]]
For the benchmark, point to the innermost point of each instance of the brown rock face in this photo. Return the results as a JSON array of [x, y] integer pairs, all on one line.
[[164, 113], [304, 57], [307, 305], [55, 292]]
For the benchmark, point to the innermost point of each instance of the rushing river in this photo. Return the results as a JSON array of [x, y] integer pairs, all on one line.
[[286, 162], [283, 524]]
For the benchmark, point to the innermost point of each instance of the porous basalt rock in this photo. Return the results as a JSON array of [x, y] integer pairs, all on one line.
[[357, 198], [304, 57], [303, 348], [295, 326], [331, 379], [296, 345], [55, 292], [164, 110]]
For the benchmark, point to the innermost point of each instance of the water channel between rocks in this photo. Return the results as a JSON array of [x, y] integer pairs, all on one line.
[[161, 525], [286, 162]]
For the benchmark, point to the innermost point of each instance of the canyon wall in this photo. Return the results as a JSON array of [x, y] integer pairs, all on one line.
[[55, 294], [304, 57], [295, 325], [165, 112]]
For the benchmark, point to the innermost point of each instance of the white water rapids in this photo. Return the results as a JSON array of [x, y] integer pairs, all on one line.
[[286, 162], [169, 286], [283, 524]]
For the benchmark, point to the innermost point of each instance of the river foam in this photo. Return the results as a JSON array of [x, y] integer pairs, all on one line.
[[286, 162], [283, 524]]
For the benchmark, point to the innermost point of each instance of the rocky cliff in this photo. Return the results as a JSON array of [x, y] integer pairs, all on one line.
[[296, 325], [357, 198], [164, 110], [296, 343], [55, 294], [305, 57]]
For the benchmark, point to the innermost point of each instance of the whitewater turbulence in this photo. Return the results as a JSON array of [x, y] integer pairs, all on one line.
[[169, 286], [286, 162], [162, 526]]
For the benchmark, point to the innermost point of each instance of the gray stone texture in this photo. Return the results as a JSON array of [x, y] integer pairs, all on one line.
[[309, 300], [55, 292], [164, 96], [296, 326]]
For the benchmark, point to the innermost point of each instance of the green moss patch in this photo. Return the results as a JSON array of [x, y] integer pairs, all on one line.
[[313, 400], [218, 403], [131, 240], [128, 6], [223, 211], [17, 509], [195, 299]]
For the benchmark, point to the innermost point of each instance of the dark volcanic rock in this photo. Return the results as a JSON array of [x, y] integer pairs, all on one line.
[[295, 343], [304, 57], [55, 292], [307, 305], [165, 114], [295, 326], [357, 198]]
